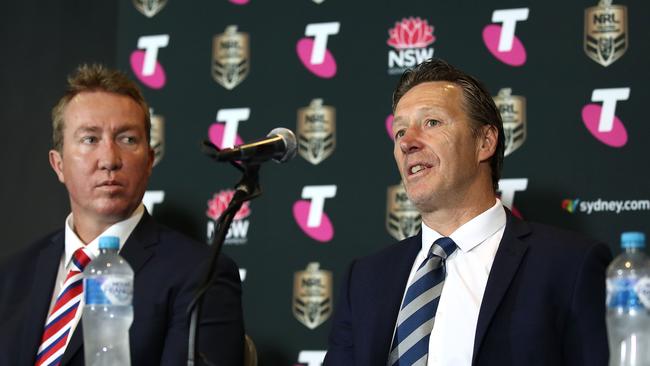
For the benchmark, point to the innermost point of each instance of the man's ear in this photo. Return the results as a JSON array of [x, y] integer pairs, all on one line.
[[488, 142], [56, 162]]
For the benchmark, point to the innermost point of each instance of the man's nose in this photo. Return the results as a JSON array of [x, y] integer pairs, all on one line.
[[411, 140], [110, 156]]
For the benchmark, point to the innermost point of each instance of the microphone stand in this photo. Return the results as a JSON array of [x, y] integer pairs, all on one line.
[[247, 189]]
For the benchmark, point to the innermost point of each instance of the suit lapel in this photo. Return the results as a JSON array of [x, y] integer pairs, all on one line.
[[506, 262], [136, 252], [396, 270], [40, 297]]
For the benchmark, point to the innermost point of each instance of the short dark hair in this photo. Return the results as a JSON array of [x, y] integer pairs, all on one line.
[[477, 101], [90, 78]]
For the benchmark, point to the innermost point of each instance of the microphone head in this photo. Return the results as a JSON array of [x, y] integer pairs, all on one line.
[[290, 143]]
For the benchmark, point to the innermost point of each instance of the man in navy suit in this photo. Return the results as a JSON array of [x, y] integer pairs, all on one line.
[[477, 286], [101, 154]]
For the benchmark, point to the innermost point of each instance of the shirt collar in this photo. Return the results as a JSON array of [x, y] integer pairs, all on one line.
[[471, 233], [122, 230]]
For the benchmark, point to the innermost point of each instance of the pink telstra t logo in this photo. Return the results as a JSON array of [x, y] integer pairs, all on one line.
[[313, 53], [501, 41], [601, 121], [309, 213], [145, 63]]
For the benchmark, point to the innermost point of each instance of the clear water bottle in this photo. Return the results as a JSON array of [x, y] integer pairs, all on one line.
[[107, 314], [628, 304]]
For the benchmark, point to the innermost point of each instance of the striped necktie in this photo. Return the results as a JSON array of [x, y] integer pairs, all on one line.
[[59, 322], [418, 311]]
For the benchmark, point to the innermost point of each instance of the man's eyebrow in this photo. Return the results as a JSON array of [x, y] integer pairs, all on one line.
[[85, 129], [399, 120]]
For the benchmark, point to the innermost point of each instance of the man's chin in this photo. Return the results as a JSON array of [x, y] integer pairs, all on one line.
[[114, 212]]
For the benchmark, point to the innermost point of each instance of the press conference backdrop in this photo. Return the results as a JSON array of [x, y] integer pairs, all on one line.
[[569, 79]]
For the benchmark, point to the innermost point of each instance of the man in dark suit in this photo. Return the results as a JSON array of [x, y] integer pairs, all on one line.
[[102, 155], [477, 286]]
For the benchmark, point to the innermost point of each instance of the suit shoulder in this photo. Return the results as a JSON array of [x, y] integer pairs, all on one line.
[[30, 251], [565, 241], [184, 247], [408, 246]]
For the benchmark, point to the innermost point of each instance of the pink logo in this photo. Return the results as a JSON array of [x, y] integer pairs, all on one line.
[[326, 69], [411, 33], [323, 233], [240, 2], [389, 126], [220, 201], [156, 80], [617, 137], [517, 54], [215, 134]]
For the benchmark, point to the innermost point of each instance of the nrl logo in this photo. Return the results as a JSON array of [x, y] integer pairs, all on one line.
[[513, 113], [606, 36], [316, 131], [402, 217], [312, 295], [157, 137], [149, 7], [230, 57]]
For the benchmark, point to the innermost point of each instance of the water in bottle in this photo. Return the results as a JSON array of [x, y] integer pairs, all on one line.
[[628, 304], [107, 314]]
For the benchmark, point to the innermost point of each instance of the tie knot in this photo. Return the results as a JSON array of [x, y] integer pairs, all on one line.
[[443, 247], [81, 259]]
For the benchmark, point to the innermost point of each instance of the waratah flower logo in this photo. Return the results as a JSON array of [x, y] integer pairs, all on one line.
[[219, 202], [411, 33]]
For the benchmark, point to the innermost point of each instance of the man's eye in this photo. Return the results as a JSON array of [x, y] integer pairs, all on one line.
[[431, 122], [88, 139], [399, 134], [128, 140]]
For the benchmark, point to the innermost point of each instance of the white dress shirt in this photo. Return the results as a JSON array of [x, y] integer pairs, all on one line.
[[121, 229], [452, 339]]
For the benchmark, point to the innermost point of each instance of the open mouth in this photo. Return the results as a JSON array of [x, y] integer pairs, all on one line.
[[417, 168]]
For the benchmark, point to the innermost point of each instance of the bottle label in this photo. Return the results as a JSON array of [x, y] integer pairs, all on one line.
[[622, 292], [113, 290]]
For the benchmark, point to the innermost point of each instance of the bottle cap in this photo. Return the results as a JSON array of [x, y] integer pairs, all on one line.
[[632, 239], [109, 242]]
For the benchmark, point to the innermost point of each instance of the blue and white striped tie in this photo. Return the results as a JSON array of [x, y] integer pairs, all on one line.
[[418, 311]]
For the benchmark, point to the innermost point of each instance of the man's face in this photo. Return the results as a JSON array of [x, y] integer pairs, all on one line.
[[436, 152], [106, 160]]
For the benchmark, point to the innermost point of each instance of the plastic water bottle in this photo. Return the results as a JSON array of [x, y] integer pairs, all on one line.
[[628, 304], [107, 314]]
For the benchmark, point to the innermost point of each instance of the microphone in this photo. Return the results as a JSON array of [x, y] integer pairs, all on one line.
[[279, 145]]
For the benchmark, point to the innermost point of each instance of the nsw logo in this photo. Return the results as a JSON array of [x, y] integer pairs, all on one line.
[[237, 234], [145, 63], [309, 213], [313, 52], [602, 122], [410, 39], [501, 41]]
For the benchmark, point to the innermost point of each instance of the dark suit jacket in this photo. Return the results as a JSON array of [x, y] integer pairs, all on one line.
[[544, 302], [167, 266]]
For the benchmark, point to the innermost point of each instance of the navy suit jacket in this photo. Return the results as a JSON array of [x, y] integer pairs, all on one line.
[[167, 266], [544, 302]]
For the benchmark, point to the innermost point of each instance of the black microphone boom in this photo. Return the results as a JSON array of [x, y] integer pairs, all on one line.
[[279, 145]]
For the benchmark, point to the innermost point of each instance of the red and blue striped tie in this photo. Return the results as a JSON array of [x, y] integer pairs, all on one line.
[[59, 322]]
